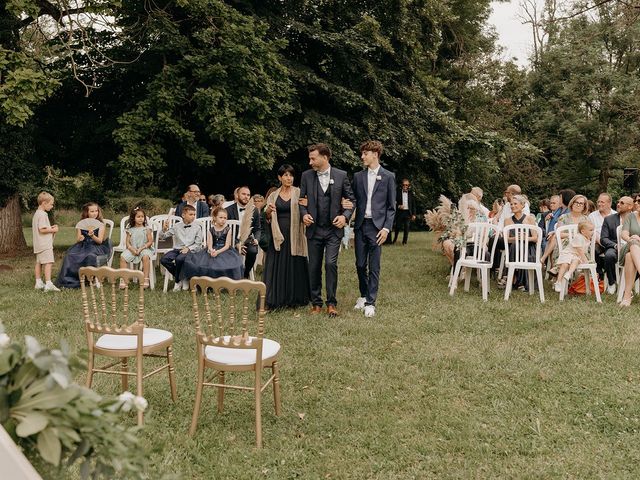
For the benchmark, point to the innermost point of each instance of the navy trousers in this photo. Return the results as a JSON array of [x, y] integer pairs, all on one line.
[[173, 262], [324, 243], [368, 254]]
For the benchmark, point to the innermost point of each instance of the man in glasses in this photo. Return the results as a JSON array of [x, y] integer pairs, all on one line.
[[405, 211], [609, 239], [192, 197]]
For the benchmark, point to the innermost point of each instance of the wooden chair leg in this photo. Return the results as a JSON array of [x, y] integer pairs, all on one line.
[[196, 406], [275, 368], [125, 377], [220, 391], [258, 393], [139, 374], [172, 374], [90, 369]]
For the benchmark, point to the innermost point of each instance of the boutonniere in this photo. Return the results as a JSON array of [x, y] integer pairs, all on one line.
[[331, 181], [379, 177]]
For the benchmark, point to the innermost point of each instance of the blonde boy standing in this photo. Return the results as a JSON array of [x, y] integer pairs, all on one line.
[[43, 234]]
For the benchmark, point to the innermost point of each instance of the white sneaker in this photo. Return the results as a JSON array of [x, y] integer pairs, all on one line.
[[370, 311], [50, 287], [39, 285], [177, 287], [360, 303], [185, 284], [611, 289], [557, 287]]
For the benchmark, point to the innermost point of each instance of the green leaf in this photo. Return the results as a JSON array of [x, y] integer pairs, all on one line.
[[49, 446], [33, 423]]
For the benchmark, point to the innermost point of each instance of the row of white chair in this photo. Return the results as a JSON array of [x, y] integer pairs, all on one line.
[[156, 223], [482, 260]]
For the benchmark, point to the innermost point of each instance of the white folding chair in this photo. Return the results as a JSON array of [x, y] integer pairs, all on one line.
[[566, 233], [122, 245], [516, 240], [479, 259], [205, 225]]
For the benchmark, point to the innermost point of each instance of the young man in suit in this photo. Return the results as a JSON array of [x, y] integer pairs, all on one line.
[[192, 197], [375, 192], [322, 189], [250, 228], [406, 211]]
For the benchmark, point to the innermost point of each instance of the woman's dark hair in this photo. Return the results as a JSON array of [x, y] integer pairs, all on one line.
[[132, 217], [286, 168], [566, 195], [217, 210], [545, 202]]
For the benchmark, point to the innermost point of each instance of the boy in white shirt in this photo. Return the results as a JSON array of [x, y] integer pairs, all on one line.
[[43, 234]]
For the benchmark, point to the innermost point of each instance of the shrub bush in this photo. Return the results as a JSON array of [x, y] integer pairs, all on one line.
[[151, 205]]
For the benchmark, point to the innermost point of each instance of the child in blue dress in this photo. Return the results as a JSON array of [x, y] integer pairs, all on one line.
[[219, 259], [139, 242], [92, 249]]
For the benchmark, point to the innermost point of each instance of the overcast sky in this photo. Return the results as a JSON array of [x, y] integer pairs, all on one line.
[[514, 36]]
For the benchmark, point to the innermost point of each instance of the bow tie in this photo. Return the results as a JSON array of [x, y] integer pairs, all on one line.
[[187, 226], [323, 174], [242, 209]]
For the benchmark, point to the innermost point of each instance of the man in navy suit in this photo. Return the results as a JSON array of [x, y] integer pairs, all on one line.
[[322, 189], [375, 192], [193, 198], [250, 228]]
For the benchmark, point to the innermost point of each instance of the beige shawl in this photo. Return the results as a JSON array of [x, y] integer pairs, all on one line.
[[245, 224], [298, 238]]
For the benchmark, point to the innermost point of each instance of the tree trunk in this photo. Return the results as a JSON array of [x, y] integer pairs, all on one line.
[[603, 179], [11, 237]]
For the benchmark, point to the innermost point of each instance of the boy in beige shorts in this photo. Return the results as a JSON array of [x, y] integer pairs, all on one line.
[[43, 234]]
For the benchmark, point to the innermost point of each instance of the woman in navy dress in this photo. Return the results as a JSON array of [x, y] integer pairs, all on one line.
[[219, 259], [90, 250], [286, 268]]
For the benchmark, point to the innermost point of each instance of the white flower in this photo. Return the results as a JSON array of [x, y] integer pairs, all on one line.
[[126, 399], [379, 177], [140, 403], [331, 181], [5, 341]]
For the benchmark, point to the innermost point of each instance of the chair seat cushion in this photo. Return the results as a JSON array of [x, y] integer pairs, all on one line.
[[241, 356], [150, 337]]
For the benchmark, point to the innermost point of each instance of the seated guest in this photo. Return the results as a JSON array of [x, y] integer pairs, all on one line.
[[469, 208], [478, 193], [192, 197], [496, 210], [518, 217], [609, 240], [220, 259], [187, 239], [505, 213], [91, 249], [258, 201], [565, 197], [249, 232], [603, 209], [629, 256]]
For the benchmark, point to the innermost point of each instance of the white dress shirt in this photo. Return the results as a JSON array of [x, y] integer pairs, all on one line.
[[598, 219], [405, 200], [371, 182], [324, 178]]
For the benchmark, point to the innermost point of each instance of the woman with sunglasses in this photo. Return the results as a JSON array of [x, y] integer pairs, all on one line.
[[629, 256]]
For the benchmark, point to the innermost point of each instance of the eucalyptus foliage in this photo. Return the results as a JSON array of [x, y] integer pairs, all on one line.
[[60, 422]]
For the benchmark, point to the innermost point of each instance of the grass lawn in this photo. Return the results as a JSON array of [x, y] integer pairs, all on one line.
[[432, 387]]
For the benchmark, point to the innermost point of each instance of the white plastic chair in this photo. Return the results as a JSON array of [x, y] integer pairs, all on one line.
[[567, 232], [477, 260], [205, 225], [520, 234], [122, 245]]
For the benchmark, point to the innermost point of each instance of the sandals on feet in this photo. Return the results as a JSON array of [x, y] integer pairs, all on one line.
[[146, 283]]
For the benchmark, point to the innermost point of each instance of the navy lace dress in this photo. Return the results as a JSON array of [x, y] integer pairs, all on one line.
[[286, 276], [227, 264], [86, 253]]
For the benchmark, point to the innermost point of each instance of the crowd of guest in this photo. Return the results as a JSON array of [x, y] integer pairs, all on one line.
[[598, 220]]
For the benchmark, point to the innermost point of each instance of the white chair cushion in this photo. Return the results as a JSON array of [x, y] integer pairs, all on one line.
[[241, 356], [150, 337]]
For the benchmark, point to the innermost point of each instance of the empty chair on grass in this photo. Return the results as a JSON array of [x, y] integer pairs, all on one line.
[[230, 338], [115, 327]]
